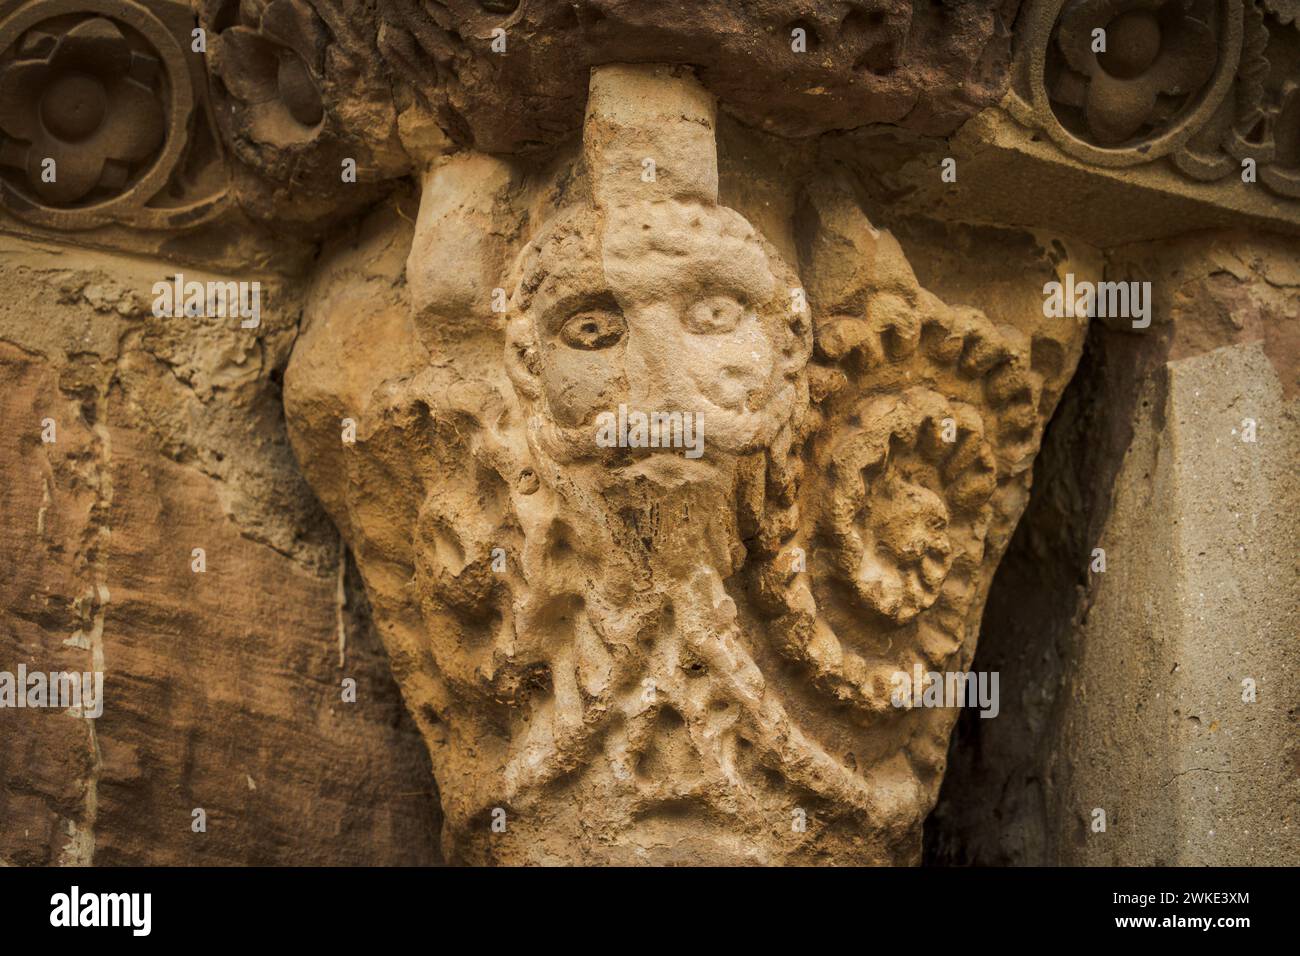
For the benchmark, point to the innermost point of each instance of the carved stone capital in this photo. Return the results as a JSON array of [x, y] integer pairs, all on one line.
[[689, 476]]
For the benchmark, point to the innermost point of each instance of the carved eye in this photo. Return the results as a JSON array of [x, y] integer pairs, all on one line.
[[593, 330], [714, 315]]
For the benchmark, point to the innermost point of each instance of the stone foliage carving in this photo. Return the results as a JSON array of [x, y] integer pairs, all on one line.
[[283, 97], [302, 95], [638, 654], [271, 63], [1206, 84]]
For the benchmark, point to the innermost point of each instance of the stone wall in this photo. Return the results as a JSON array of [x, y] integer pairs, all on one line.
[[1162, 690], [223, 689]]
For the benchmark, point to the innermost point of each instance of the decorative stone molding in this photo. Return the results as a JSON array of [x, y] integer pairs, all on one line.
[[924, 66], [1206, 84], [104, 116]]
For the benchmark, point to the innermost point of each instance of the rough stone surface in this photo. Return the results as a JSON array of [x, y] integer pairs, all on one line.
[[920, 65], [657, 656], [222, 688], [1129, 681]]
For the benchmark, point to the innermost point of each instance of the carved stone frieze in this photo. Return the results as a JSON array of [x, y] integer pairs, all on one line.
[[925, 66]]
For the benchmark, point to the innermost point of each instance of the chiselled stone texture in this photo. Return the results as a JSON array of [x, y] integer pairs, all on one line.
[[640, 655], [921, 65], [221, 689]]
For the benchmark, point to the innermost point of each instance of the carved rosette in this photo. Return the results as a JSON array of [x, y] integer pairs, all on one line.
[[928, 418], [100, 102], [1204, 84]]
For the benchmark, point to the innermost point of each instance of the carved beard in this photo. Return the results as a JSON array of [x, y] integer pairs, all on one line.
[[636, 562], [662, 514], [658, 676]]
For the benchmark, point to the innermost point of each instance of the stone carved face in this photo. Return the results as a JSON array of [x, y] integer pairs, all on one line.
[[633, 656], [672, 308]]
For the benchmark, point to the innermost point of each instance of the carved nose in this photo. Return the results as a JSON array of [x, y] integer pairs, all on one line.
[[658, 375]]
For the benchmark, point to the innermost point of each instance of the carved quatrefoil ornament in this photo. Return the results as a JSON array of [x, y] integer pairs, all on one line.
[[99, 104], [1164, 71]]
